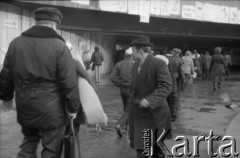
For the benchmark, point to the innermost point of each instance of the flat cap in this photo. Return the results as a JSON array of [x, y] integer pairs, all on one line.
[[48, 13]]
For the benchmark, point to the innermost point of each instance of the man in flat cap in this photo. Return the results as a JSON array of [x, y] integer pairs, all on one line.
[[39, 67], [148, 110]]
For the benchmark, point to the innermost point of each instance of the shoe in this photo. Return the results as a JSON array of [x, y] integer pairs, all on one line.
[[228, 106], [214, 89], [119, 131], [231, 106]]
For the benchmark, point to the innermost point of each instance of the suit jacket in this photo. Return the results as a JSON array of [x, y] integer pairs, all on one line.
[[153, 83]]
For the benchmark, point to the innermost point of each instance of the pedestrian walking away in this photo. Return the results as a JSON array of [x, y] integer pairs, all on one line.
[[45, 84], [197, 63], [227, 61], [80, 118], [187, 69], [97, 59], [217, 68], [121, 76], [174, 68], [207, 59]]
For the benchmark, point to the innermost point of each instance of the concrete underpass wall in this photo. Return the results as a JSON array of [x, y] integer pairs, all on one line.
[[15, 20], [82, 41]]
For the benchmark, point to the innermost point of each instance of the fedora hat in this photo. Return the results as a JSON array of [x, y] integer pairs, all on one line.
[[141, 41], [48, 13]]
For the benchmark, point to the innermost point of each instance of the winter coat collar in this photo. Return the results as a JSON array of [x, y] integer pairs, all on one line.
[[42, 32]]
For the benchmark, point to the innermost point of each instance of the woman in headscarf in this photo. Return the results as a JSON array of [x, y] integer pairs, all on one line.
[[217, 68]]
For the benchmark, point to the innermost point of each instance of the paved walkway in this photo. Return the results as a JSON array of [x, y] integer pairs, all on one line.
[[233, 130], [201, 111]]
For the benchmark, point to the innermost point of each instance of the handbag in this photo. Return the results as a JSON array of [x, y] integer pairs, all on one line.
[[71, 143]]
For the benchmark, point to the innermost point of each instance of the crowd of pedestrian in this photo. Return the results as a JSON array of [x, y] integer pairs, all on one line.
[[182, 67], [45, 85]]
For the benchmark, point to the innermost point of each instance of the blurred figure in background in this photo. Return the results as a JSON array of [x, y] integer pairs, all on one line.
[[227, 61], [97, 59], [121, 76], [176, 53], [187, 69], [217, 68], [86, 57], [174, 68], [206, 65], [162, 55], [197, 63]]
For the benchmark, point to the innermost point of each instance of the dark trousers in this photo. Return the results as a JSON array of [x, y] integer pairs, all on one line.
[[173, 98], [125, 93], [76, 129], [226, 71], [188, 80], [52, 142], [205, 74]]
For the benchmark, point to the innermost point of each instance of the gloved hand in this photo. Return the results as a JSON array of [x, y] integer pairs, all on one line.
[[72, 115]]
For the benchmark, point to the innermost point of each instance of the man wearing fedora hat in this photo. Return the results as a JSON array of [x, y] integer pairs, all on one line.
[[147, 107], [39, 68]]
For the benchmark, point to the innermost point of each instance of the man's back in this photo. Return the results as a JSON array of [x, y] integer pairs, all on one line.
[[122, 73], [207, 61], [97, 58], [174, 64], [42, 71], [38, 61]]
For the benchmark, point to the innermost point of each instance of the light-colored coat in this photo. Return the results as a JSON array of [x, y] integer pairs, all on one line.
[[187, 66]]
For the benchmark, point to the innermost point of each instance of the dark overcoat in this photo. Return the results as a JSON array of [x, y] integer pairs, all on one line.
[[40, 69], [153, 83], [97, 58]]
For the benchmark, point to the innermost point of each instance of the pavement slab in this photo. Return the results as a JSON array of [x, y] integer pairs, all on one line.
[[201, 110]]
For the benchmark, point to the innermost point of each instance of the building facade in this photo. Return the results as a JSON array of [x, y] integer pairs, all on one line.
[[200, 24]]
